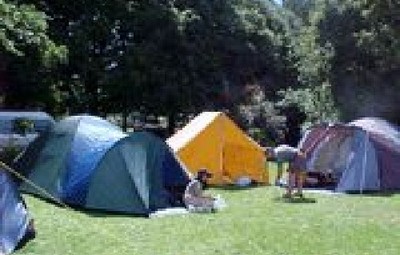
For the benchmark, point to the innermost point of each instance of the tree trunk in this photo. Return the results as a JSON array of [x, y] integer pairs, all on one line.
[[171, 123], [125, 114]]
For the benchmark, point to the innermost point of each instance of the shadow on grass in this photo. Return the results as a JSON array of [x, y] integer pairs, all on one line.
[[365, 193], [29, 235], [374, 193], [295, 200], [45, 199], [238, 188], [98, 213], [89, 212]]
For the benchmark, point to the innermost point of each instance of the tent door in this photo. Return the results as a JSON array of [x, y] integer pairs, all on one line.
[[236, 161]]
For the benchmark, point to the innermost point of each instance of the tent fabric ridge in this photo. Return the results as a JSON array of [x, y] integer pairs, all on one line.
[[67, 156], [179, 141], [142, 199], [103, 157]]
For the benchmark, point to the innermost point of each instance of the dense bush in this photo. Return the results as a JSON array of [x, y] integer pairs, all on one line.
[[23, 125], [9, 153]]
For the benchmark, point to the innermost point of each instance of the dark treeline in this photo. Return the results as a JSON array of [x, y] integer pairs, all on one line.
[[267, 65]]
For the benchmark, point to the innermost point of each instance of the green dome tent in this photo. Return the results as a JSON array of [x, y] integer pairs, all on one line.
[[88, 162]]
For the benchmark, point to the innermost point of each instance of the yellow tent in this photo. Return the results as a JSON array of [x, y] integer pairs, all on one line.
[[214, 141]]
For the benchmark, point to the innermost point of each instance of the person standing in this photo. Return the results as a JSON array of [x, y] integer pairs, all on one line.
[[279, 161], [297, 167]]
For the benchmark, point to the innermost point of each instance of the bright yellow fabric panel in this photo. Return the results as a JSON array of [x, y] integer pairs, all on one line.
[[204, 151], [242, 155], [244, 161], [226, 151]]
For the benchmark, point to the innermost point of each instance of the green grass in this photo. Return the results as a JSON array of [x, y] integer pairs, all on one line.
[[256, 221]]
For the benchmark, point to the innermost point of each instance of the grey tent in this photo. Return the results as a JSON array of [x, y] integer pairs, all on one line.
[[41, 120], [363, 155], [10, 137], [88, 162]]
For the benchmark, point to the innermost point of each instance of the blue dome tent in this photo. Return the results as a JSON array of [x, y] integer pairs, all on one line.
[[88, 162]]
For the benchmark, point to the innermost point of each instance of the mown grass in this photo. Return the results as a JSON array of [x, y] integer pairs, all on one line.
[[256, 221]]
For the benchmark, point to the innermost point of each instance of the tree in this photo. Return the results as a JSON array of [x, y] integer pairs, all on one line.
[[23, 29], [26, 51], [201, 57], [169, 57], [365, 40]]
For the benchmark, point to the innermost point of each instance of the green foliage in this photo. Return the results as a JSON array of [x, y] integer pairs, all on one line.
[[260, 117], [167, 57], [316, 102], [348, 43], [364, 36], [313, 57], [185, 56], [28, 57], [9, 152], [23, 27], [23, 125], [301, 8]]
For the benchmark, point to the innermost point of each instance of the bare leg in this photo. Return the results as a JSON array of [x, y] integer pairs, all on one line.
[[291, 183], [300, 181]]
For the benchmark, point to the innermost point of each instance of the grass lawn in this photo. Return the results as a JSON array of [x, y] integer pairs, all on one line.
[[255, 222]]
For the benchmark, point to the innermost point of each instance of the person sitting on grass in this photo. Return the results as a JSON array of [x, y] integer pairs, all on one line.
[[194, 197]]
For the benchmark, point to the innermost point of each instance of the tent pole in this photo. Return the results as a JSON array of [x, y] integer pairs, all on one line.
[[318, 140], [40, 189], [364, 162]]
